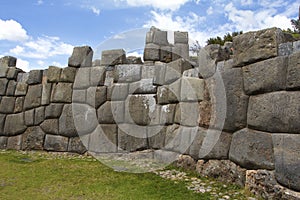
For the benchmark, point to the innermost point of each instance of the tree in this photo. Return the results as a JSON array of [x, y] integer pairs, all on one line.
[[196, 47], [296, 23], [226, 38]]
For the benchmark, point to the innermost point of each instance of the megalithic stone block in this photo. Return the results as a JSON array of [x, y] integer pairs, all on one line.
[[152, 52], [81, 57], [113, 57], [8, 61]]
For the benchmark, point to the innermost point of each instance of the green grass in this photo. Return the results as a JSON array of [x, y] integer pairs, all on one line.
[[42, 176]]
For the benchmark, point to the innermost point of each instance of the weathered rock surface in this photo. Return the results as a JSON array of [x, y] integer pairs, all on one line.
[[252, 149], [81, 57], [33, 97], [113, 57], [276, 112], [14, 124], [33, 139], [56, 143], [293, 72], [287, 159], [255, 46]]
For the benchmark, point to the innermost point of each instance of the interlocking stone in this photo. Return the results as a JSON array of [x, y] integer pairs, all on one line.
[[131, 138], [29, 117], [192, 89], [35, 77], [8, 61], [265, 76], [85, 118], [46, 94], [14, 142], [76, 145], [187, 114], [156, 136], [181, 37], [66, 122], [39, 115], [81, 57], [252, 149], [113, 57], [97, 76], [3, 142], [14, 124], [104, 139], [152, 52], [19, 104], [96, 96], [287, 159], [56, 143], [11, 88], [53, 110], [2, 123], [33, 138], [50, 126], [21, 89], [293, 72], [117, 92], [175, 69], [62, 93], [3, 71], [3, 86], [82, 79], [144, 86], [276, 112], [53, 74], [33, 97], [157, 36], [7, 105], [111, 112], [12, 73], [68, 74], [258, 45], [180, 50], [127, 73]]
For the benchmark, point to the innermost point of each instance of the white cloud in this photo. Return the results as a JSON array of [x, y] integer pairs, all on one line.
[[95, 10], [248, 20], [209, 11], [57, 64], [23, 64], [158, 4], [246, 2], [12, 31], [40, 2], [42, 48]]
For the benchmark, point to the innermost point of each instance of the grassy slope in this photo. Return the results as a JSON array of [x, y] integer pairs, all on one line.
[[37, 176]]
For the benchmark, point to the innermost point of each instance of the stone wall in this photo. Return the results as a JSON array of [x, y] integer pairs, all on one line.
[[242, 110]]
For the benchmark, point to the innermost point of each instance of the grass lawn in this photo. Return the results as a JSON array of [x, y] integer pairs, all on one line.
[[39, 175]]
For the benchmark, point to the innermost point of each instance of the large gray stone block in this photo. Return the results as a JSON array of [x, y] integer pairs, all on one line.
[[35, 77], [82, 79], [53, 110], [21, 89], [117, 92], [85, 118], [50, 126], [140, 109], [113, 57], [3, 86], [66, 122], [76, 145], [157, 36], [187, 114], [252, 149], [96, 96], [8, 61], [180, 50], [14, 124], [210, 144], [33, 97], [81, 57], [169, 93], [167, 113], [11, 87], [175, 69], [104, 139], [293, 72], [144, 86], [19, 104], [14, 143], [68, 74], [29, 117], [3, 142], [156, 136], [53, 74], [7, 105], [258, 45], [181, 37], [265, 76], [132, 138], [2, 123], [13, 73], [56, 143], [111, 112], [160, 73], [62, 93], [46, 94], [276, 112], [287, 159], [39, 115], [285, 49], [33, 139], [3, 71], [97, 76], [127, 73], [179, 138], [152, 52], [192, 89]]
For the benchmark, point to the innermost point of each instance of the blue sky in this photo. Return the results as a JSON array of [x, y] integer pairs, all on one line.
[[41, 33]]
